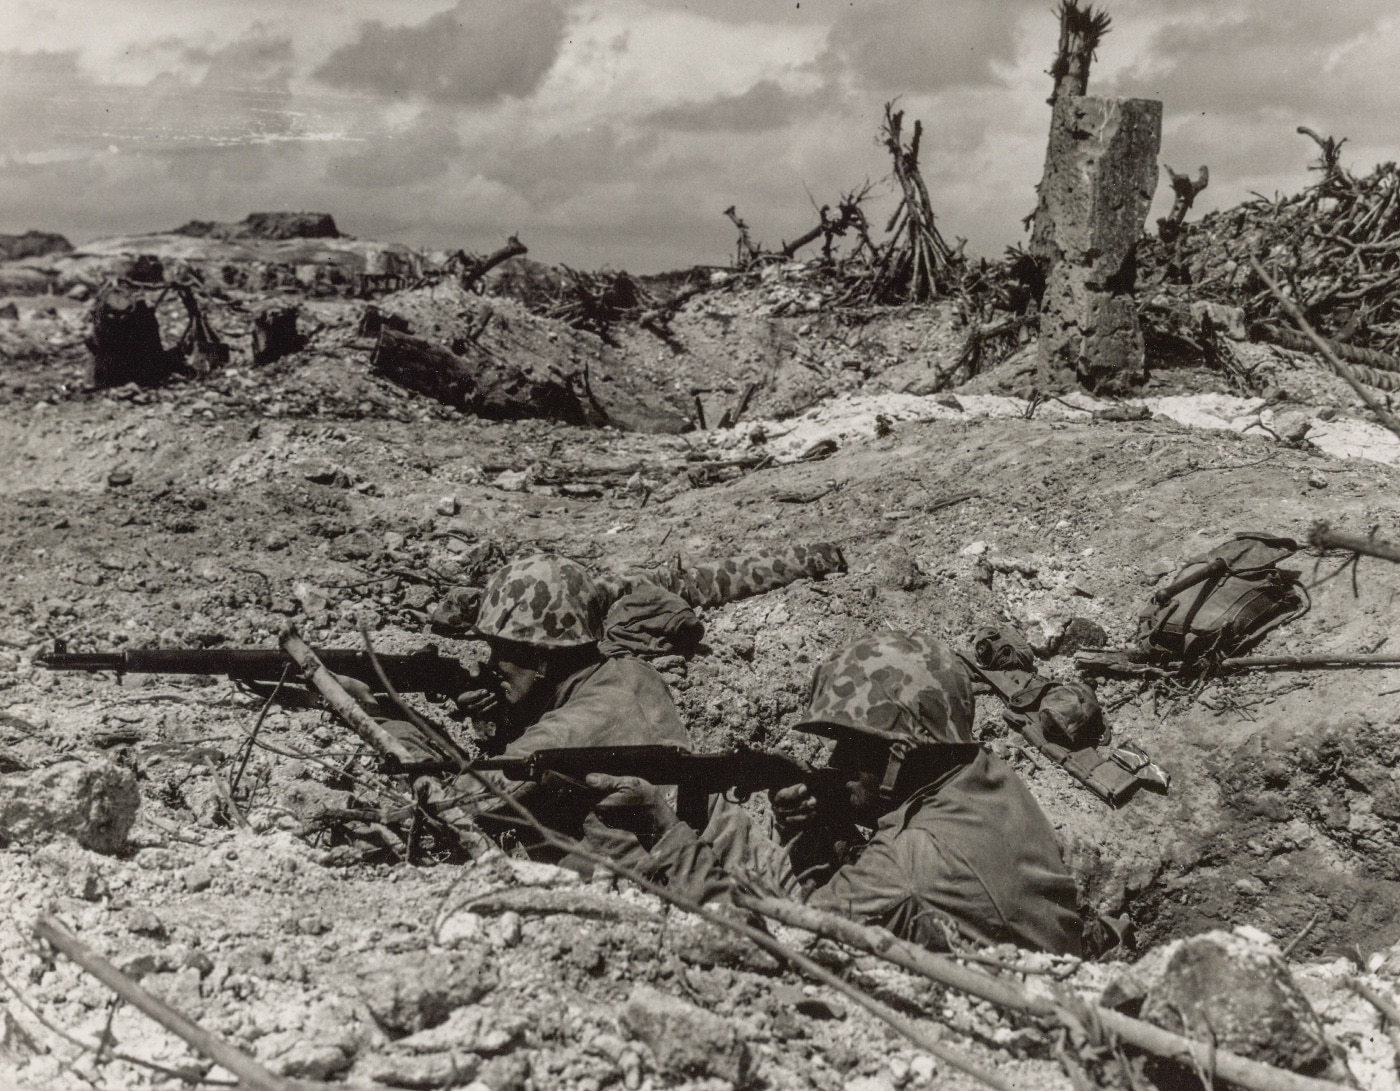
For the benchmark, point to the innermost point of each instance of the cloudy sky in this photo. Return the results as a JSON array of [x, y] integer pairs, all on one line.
[[613, 133]]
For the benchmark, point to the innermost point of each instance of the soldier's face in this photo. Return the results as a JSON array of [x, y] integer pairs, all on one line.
[[520, 670], [862, 760]]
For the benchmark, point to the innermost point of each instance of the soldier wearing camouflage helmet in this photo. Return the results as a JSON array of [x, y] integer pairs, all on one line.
[[928, 834], [956, 835], [542, 617]]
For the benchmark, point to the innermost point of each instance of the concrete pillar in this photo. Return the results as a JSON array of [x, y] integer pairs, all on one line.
[[1101, 172]]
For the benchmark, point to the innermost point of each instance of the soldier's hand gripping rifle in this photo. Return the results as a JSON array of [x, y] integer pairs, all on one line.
[[738, 773]]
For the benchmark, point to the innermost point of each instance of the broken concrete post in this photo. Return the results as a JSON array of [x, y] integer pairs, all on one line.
[[275, 334], [93, 802], [125, 342], [1101, 172]]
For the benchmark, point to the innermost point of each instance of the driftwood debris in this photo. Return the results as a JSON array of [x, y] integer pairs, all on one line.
[[476, 384], [1335, 245]]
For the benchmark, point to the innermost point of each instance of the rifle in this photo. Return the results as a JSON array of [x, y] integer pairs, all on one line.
[[421, 671], [740, 772], [1132, 662], [743, 770]]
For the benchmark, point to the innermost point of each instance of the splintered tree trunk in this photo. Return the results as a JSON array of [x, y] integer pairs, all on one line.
[[125, 343], [275, 334], [513, 248]]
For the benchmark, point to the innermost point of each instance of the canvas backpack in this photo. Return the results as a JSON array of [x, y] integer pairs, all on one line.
[[1223, 602]]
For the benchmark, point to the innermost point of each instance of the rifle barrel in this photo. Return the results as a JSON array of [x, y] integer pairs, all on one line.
[[1310, 662], [422, 671]]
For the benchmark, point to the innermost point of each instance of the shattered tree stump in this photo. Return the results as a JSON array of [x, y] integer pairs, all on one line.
[[1101, 172], [275, 334], [125, 342]]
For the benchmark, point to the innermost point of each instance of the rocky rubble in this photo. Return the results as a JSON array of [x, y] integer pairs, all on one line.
[[207, 514]]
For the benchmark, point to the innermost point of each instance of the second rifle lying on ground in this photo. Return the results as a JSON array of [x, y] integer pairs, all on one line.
[[1132, 662]]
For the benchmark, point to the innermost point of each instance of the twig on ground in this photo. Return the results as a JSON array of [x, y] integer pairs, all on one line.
[[1302, 935], [1004, 994], [257, 726], [93, 1047], [222, 791], [1202, 469], [251, 1075], [904, 1027], [1322, 536]]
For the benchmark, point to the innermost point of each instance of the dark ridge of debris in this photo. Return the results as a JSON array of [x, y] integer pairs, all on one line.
[[32, 244], [266, 225]]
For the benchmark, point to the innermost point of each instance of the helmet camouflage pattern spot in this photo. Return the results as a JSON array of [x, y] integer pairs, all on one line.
[[541, 599], [894, 685]]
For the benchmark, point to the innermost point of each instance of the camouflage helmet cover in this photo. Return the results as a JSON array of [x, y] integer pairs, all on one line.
[[892, 686], [541, 599]]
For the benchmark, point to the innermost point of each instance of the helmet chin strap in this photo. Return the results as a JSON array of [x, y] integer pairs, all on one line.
[[900, 749]]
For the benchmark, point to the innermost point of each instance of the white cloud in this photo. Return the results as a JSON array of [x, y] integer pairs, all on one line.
[[618, 134]]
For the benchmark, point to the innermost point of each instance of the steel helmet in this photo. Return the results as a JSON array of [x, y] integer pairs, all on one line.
[[895, 686], [541, 599]]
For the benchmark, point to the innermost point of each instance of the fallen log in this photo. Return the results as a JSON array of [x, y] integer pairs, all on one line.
[[1323, 536], [1369, 360], [946, 971]]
